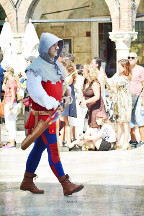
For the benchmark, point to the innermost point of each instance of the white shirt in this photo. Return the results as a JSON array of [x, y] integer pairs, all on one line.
[[108, 133]]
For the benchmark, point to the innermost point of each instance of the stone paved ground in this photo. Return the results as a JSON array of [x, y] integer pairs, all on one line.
[[113, 183]]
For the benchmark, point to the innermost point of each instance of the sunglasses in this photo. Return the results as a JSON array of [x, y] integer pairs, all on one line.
[[129, 57]]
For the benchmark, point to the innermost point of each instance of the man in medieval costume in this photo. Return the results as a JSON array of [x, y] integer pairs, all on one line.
[[45, 77]]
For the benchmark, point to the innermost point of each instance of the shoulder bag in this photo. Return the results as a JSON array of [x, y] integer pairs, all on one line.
[[135, 100]]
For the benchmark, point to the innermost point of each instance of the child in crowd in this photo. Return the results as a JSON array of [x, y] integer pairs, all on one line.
[[99, 139]]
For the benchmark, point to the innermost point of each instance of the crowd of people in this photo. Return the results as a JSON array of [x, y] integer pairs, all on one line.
[[13, 92], [91, 95], [95, 92]]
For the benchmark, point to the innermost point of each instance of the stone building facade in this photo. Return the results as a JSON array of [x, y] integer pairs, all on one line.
[[109, 37]]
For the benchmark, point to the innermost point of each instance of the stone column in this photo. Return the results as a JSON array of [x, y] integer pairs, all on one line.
[[94, 40], [20, 62], [123, 41]]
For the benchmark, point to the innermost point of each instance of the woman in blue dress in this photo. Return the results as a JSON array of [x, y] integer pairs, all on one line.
[[70, 110]]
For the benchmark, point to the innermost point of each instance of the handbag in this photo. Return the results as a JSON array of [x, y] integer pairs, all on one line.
[[2, 109], [135, 99]]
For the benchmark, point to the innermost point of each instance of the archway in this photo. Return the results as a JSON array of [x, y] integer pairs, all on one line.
[[2, 17], [85, 42], [137, 46]]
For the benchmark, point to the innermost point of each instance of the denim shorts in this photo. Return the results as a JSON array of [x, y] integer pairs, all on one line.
[[137, 119]]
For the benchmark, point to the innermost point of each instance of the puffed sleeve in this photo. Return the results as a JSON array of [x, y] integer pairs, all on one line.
[[37, 92]]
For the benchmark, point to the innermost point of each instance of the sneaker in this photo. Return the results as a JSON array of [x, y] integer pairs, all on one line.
[[133, 144], [64, 148], [140, 143], [74, 143], [64, 143], [8, 147]]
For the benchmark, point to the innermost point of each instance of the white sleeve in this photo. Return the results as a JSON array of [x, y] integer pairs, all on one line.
[[68, 88], [37, 92]]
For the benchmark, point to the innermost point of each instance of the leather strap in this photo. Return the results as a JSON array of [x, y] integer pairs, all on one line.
[[49, 112], [37, 113]]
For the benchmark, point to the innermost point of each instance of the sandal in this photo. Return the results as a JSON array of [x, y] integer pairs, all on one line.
[[8, 147]]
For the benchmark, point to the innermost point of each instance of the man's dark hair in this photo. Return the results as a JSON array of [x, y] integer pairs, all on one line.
[[79, 69], [1, 56], [98, 61]]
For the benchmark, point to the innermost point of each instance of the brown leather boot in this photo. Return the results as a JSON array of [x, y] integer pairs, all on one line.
[[27, 183], [68, 187]]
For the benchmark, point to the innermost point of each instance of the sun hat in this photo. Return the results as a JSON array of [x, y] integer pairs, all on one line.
[[30, 58]]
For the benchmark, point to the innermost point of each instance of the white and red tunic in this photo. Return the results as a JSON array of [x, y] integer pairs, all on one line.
[[46, 96]]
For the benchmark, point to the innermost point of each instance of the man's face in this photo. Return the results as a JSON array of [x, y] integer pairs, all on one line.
[[28, 63], [94, 64], [53, 51], [85, 73], [132, 57]]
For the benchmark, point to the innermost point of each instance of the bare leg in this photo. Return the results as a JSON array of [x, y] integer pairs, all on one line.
[[67, 131], [12, 143], [132, 133], [119, 131], [141, 130], [98, 143], [90, 145], [126, 132], [74, 133], [126, 135], [82, 142], [62, 133]]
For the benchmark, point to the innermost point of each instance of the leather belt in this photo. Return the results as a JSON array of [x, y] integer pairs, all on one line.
[[38, 113], [48, 112]]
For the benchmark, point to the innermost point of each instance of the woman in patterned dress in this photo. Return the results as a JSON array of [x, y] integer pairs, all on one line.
[[119, 88]]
